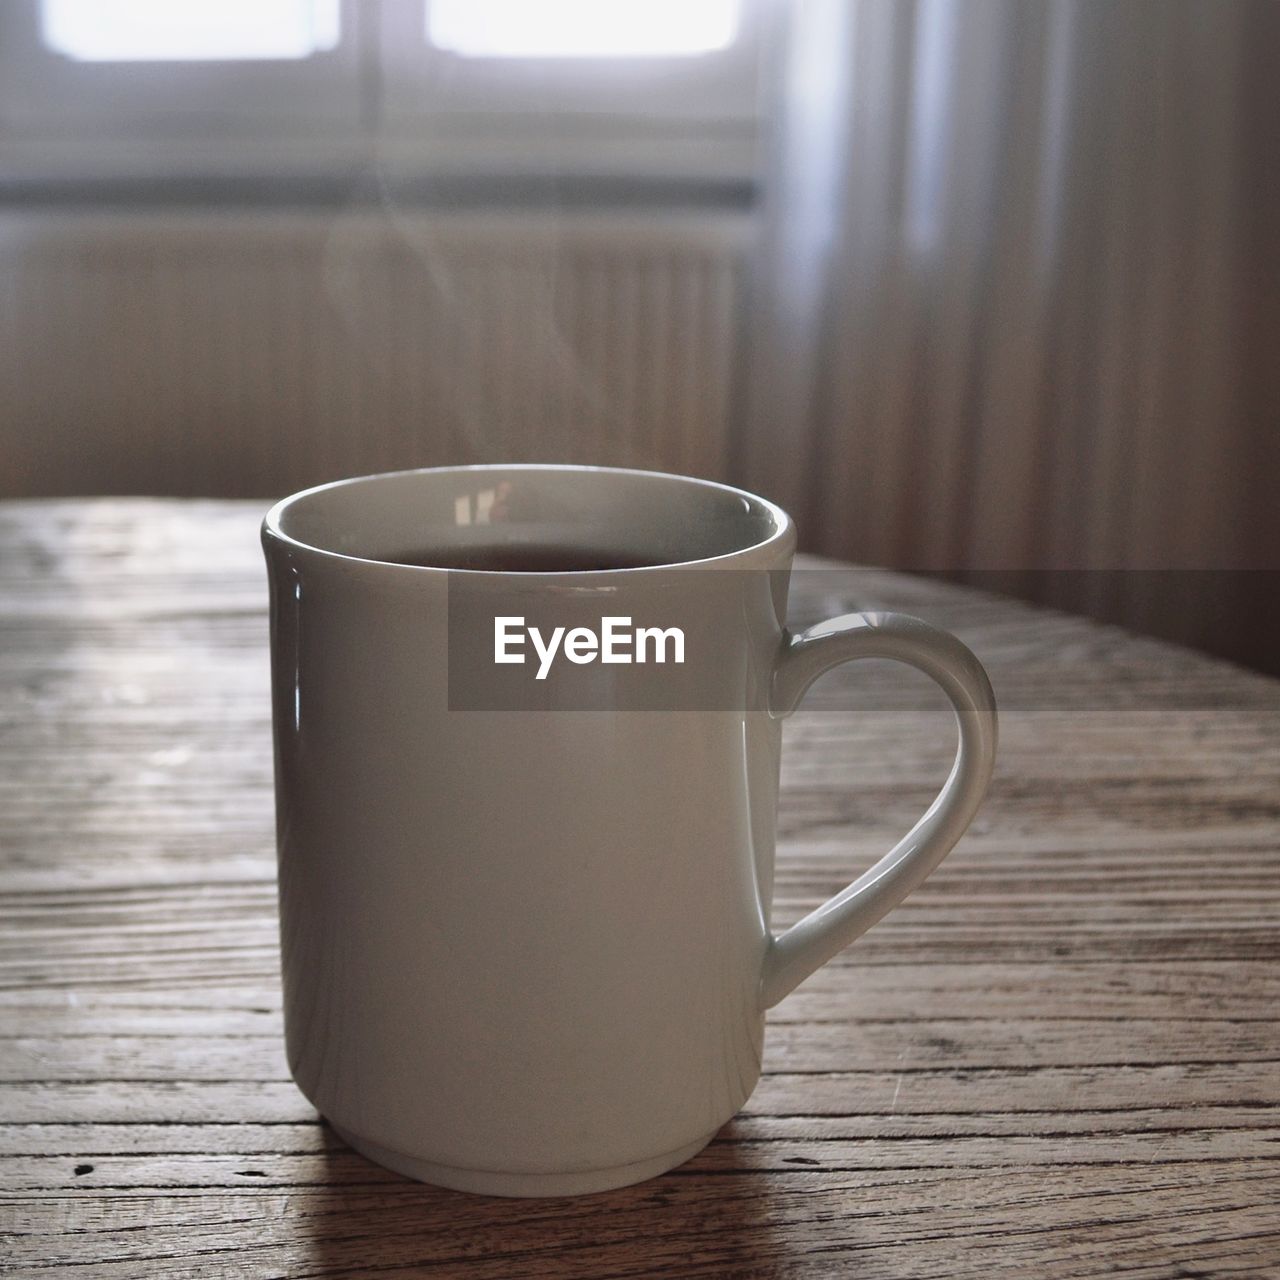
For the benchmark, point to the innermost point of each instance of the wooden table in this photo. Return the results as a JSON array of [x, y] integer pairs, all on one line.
[[1058, 1058]]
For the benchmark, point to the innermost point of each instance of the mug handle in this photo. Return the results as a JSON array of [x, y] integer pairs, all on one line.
[[792, 956]]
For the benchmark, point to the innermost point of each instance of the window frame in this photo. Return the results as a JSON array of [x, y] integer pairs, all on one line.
[[384, 97]]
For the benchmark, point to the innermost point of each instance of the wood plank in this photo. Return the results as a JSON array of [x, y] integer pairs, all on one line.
[[747, 1223], [818, 1047], [1122, 989], [948, 1091]]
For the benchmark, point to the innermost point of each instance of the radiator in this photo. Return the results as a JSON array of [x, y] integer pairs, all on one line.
[[251, 353]]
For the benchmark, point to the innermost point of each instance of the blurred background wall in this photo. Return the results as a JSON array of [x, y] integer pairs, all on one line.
[[980, 287], [1018, 314]]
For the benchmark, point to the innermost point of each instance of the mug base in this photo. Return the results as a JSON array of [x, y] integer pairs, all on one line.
[[491, 1182]]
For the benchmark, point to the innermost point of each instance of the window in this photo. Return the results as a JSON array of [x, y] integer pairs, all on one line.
[[600, 87], [581, 28], [147, 88], [430, 91], [208, 31]]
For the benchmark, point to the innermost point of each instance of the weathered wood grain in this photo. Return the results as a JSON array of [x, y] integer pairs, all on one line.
[[1060, 1058]]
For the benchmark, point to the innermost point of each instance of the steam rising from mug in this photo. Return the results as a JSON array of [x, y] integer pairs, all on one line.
[[547, 335]]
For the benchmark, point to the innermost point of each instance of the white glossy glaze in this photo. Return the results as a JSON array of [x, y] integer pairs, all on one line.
[[528, 952]]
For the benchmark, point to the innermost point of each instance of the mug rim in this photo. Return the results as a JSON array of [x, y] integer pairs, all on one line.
[[779, 542]]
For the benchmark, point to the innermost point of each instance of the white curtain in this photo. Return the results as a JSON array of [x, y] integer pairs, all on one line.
[[1011, 307]]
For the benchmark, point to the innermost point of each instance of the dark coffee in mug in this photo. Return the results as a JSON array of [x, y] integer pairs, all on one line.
[[523, 557]]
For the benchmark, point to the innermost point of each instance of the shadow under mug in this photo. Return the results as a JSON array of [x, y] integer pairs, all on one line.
[[526, 942]]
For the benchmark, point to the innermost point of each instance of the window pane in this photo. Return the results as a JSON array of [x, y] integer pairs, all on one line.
[[188, 31], [581, 28]]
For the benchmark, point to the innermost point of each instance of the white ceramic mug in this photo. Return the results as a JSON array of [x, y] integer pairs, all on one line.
[[527, 952]]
